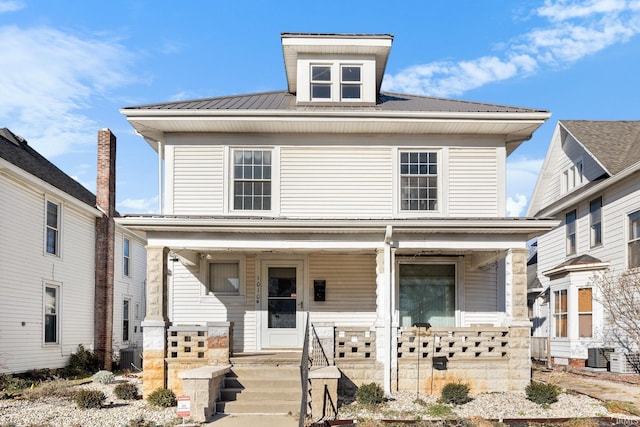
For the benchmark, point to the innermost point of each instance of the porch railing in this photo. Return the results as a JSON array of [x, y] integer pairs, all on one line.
[[319, 358], [304, 376]]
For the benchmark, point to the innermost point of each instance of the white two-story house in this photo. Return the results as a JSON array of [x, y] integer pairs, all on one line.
[[52, 247], [374, 215], [590, 182]]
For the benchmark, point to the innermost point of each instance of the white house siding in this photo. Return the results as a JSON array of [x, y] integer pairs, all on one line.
[[350, 292], [130, 287], [336, 181], [26, 269], [481, 296], [473, 182], [196, 179]]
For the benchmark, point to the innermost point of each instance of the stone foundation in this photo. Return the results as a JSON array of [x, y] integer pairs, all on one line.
[[203, 385]]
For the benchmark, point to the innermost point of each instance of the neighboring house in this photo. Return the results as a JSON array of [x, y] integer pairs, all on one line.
[[365, 212], [54, 253], [590, 182]]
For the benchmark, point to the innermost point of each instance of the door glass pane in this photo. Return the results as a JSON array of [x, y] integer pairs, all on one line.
[[282, 297], [427, 294]]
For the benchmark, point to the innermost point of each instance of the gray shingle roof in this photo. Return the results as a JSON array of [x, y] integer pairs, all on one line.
[[17, 151], [615, 144], [283, 100]]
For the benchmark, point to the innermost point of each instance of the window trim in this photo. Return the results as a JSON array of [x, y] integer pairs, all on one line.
[[126, 257], [441, 178], [325, 83], [58, 229], [229, 180], [555, 314], [58, 314], [571, 237], [592, 242], [629, 240], [224, 258], [127, 301], [572, 177], [350, 83], [580, 313]]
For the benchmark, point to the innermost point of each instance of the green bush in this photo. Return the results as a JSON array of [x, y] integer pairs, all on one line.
[[104, 377], [126, 391], [81, 363], [369, 394], [11, 386], [86, 399], [162, 397], [455, 393], [542, 393], [140, 422]]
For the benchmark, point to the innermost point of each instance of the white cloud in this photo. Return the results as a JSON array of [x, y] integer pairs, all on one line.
[[516, 204], [138, 205], [48, 77], [576, 29], [11, 5]]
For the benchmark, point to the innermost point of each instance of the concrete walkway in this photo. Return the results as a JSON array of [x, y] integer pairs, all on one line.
[[244, 420]]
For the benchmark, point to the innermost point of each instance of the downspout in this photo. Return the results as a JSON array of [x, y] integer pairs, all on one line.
[[160, 189], [388, 357]]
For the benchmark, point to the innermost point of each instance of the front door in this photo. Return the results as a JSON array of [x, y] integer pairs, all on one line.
[[281, 305]]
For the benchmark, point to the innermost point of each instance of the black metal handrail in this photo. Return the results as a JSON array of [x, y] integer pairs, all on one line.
[[319, 358], [304, 376]]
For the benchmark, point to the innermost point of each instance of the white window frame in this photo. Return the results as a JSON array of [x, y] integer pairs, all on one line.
[[351, 83], [336, 82], [440, 180], [572, 177], [630, 240], [126, 256], [581, 313], [555, 314], [593, 224], [127, 302], [229, 180], [212, 258], [459, 282], [571, 238], [57, 287], [58, 228], [325, 83]]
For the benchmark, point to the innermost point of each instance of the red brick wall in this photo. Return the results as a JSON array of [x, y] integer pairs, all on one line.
[[105, 241]]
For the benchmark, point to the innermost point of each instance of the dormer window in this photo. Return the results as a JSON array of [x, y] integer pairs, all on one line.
[[351, 82], [321, 82]]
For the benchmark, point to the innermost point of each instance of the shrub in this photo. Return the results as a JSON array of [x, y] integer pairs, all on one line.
[[104, 377], [456, 393], [81, 363], [542, 393], [11, 386], [439, 410], [369, 394], [162, 397], [86, 399], [60, 389], [126, 391], [140, 422]]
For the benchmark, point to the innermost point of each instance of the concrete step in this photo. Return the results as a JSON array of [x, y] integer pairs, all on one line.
[[261, 383], [258, 407], [249, 395], [265, 372]]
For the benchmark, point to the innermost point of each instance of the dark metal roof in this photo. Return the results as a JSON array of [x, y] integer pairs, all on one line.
[[283, 100], [615, 144], [17, 151]]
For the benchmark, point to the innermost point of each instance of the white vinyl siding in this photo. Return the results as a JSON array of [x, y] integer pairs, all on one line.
[[22, 280], [473, 182], [324, 182], [197, 179]]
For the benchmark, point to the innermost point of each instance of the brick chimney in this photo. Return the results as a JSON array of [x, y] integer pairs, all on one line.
[[105, 247]]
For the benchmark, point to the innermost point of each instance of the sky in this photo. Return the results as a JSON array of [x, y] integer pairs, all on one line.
[[68, 66]]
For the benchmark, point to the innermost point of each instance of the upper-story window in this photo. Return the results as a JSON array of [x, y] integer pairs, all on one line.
[[252, 180], [330, 81], [595, 219], [52, 228], [572, 177], [571, 232], [321, 82], [634, 240], [125, 256], [418, 181]]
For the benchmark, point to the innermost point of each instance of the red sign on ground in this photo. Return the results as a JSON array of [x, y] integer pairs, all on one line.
[[184, 406]]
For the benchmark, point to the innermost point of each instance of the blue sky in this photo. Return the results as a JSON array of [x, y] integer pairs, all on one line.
[[67, 67]]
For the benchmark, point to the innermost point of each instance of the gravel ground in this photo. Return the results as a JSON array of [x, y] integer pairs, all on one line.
[[60, 412]]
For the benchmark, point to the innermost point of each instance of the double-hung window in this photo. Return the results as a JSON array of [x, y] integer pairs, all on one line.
[[125, 256], [321, 82], [51, 314], [560, 313], [418, 181], [126, 305], [52, 228], [252, 180], [350, 82], [633, 245], [595, 218], [570, 220], [585, 312]]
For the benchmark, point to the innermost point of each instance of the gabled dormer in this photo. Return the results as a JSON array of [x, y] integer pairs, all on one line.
[[335, 68]]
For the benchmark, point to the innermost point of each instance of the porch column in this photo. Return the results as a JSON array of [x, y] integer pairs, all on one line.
[[384, 307], [155, 322], [520, 325]]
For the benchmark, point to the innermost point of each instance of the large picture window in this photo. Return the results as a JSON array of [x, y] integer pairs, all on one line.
[[418, 181], [595, 219], [252, 180], [634, 240], [560, 313], [52, 229], [427, 294], [51, 314], [570, 220]]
